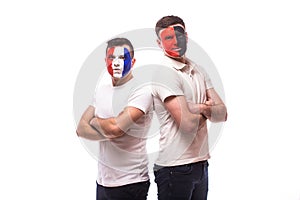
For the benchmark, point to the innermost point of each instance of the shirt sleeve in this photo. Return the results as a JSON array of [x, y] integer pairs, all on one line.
[[204, 74], [93, 102], [166, 82], [141, 98], [208, 82]]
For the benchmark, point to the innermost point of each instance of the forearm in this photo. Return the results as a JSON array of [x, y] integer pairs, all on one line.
[[187, 121], [214, 109], [218, 113], [117, 126], [88, 132], [215, 113], [196, 108], [108, 127], [192, 122], [85, 130]]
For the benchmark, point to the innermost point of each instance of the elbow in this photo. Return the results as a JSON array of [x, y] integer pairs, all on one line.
[[223, 114], [225, 117], [79, 132], [220, 116], [82, 129]]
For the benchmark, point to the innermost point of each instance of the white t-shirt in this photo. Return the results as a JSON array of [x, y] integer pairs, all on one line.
[[124, 160], [176, 79]]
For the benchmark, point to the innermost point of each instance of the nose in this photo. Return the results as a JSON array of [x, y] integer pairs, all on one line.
[[116, 62], [175, 42]]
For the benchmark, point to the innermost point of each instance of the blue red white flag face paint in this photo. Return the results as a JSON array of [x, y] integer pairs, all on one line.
[[118, 61], [174, 41]]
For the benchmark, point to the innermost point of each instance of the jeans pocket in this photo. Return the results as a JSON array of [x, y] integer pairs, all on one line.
[[182, 170], [161, 175], [205, 172], [138, 190]]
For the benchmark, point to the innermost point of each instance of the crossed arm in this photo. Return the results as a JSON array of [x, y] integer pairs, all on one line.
[[213, 109], [94, 128], [85, 130], [191, 117], [187, 121]]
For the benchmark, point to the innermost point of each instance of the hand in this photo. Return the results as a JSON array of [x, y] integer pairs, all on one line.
[[94, 123], [210, 102], [206, 108], [202, 108]]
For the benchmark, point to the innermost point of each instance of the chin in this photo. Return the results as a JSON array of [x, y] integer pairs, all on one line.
[[117, 77], [172, 55]]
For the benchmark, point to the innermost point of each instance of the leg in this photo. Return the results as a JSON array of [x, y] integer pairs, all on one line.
[[201, 188], [175, 182], [100, 193], [138, 191], [135, 191]]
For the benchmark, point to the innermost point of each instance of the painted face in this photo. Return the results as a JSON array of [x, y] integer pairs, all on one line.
[[118, 61], [173, 41]]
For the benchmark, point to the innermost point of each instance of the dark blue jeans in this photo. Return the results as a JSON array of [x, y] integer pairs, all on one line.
[[134, 191], [184, 182]]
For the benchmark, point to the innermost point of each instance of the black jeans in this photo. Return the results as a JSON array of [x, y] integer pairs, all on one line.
[[134, 191], [184, 182]]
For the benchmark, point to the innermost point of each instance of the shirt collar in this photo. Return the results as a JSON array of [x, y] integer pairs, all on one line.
[[176, 64]]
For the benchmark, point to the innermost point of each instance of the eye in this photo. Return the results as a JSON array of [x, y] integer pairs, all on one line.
[[122, 57], [169, 37], [111, 57], [181, 36]]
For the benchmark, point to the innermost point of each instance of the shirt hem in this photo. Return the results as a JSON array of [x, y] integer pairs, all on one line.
[[124, 183]]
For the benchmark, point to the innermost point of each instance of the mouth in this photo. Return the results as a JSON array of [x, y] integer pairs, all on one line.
[[176, 49], [117, 71]]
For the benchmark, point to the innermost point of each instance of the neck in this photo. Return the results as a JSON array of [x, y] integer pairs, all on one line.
[[121, 81], [181, 59]]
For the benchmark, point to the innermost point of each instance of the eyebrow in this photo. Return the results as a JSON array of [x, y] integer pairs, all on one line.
[[168, 37], [179, 29]]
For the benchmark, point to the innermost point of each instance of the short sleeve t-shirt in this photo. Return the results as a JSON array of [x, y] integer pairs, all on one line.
[[176, 79], [123, 160]]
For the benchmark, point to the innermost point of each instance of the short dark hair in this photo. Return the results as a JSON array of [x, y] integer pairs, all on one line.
[[166, 21], [119, 42]]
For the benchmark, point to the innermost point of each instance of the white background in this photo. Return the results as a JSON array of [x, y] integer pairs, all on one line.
[[255, 46]]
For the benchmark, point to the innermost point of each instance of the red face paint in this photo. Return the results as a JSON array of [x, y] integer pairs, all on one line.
[[173, 41], [108, 60]]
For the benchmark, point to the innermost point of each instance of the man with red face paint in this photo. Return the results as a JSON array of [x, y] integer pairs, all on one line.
[[184, 98], [119, 119]]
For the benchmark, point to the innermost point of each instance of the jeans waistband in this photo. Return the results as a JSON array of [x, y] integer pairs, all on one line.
[[158, 167]]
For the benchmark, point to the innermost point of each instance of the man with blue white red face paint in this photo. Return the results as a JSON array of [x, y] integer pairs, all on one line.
[[118, 61], [119, 118], [184, 98]]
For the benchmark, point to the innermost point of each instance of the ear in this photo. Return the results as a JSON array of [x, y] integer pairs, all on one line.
[[187, 38], [132, 62], [159, 43]]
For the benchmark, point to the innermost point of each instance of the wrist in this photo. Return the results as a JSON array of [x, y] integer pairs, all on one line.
[[202, 108]]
